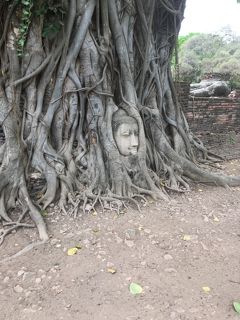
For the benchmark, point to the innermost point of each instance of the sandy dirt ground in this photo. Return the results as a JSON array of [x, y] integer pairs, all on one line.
[[185, 254]]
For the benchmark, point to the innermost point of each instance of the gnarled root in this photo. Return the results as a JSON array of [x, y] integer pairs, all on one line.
[[21, 195]]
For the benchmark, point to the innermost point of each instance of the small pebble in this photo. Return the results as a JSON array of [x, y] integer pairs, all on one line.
[[41, 271], [180, 310], [129, 243], [147, 231], [53, 242], [119, 240], [20, 273], [168, 257], [170, 270], [6, 279], [130, 234], [173, 315], [110, 264], [18, 289]]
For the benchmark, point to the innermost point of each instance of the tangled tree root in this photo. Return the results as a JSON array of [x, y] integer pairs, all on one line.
[[64, 96]]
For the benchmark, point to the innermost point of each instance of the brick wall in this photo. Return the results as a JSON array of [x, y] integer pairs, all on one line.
[[216, 121], [182, 89], [218, 115]]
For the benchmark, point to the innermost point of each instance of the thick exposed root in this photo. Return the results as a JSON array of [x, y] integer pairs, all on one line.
[[8, 227], [25, 204], [198, 174], [69, 103], [3, 212], [33, 212]]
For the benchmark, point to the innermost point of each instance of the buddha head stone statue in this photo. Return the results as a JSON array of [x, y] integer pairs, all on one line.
[[125, 132]]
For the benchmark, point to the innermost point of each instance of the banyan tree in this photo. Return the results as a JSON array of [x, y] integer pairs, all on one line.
[[88, 103]]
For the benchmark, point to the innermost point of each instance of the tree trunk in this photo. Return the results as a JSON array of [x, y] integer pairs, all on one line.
[[88, 102]]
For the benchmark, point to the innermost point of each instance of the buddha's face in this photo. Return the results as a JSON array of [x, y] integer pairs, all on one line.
[[126, 137]]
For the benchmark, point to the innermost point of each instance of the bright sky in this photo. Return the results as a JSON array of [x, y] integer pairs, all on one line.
[[209, 16]]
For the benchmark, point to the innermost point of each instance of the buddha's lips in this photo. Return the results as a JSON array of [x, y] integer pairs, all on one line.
[[133, 150]]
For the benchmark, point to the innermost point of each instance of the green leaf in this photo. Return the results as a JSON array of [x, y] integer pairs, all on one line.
[[236, 304], [26, 13], [135, 288], [44, 213], [21, 42], [23, 29], [25, 2]]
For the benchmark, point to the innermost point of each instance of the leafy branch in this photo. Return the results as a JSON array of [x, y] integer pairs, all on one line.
[[24, 24]]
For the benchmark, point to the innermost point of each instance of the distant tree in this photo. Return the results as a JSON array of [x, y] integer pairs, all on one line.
[[204, 53], [185, 38]]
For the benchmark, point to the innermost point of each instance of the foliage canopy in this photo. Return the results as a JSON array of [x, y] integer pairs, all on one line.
[[209, 53]]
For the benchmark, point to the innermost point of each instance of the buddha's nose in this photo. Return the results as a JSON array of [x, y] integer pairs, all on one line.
[[134, 140]]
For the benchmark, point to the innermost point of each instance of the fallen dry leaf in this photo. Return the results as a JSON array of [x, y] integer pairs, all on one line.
[[216, 219], [111, 270], [95, 230], [186, 237], [72, 251]]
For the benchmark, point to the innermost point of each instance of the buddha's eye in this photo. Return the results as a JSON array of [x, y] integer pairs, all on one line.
[[126, 133]]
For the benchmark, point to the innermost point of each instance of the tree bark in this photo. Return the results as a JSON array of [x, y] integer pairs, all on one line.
[[101, 73]]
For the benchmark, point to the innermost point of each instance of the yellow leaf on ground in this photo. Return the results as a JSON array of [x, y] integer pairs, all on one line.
[[186, 237], [216, 219], [206, 289], [111, 270], [72, 251]]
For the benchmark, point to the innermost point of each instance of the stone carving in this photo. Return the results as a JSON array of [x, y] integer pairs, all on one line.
[[210, 88], [235, 94], [125, 132]]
